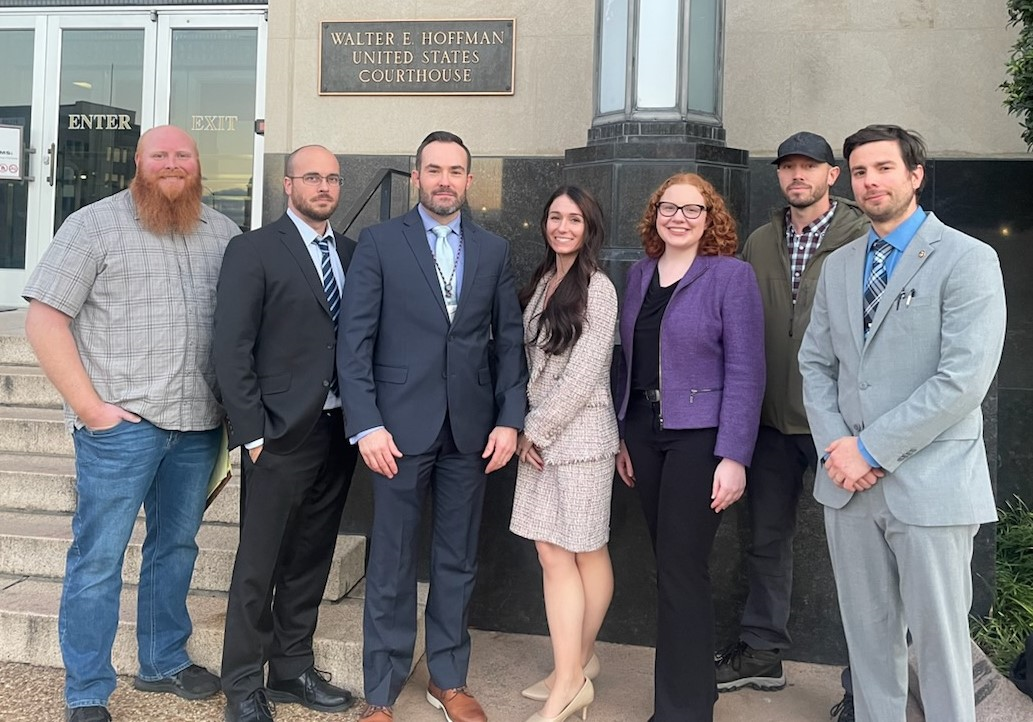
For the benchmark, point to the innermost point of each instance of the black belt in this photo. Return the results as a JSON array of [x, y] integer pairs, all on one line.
[[650, 395]]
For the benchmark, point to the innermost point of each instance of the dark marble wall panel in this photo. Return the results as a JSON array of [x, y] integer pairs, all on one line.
[[991, 200], [984, 198]]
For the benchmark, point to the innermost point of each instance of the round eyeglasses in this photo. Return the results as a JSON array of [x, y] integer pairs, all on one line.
[[689, 210], [314, 179]]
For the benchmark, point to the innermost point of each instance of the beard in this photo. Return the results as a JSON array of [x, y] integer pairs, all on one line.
[[164, 209], [443, 207], [806, 201], [894, 208], [307, 208]]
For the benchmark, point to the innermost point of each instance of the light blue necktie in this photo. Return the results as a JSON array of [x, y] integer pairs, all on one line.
[[444, 259]]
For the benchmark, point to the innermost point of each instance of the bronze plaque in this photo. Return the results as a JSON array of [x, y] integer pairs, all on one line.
[[416, 57]]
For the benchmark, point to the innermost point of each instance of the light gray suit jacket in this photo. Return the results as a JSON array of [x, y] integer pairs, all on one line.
[[912, 390]]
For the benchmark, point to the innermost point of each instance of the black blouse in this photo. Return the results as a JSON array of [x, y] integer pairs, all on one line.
[[645, 355]]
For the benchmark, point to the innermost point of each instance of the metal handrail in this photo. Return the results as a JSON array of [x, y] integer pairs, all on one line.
[[381, 180]]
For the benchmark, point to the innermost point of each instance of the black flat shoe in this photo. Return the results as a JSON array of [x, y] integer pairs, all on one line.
[[313, 690]]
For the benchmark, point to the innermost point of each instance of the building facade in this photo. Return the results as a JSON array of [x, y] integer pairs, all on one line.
[[253, 81]]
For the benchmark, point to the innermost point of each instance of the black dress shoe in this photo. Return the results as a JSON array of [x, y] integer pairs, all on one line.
[[194, 682], [89, 714], [256, 708], [313, 690]]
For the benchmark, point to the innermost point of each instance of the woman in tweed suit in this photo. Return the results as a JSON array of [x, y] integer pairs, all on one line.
[[565, 476]]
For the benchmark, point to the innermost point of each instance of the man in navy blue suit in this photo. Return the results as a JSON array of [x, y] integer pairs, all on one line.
[[432, 372]]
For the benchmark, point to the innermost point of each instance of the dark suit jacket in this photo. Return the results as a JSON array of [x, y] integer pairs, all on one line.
[[274, 337], [401, 364]]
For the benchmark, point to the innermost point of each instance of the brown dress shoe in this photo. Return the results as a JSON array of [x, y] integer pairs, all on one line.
[[375, 713], [458, 704]]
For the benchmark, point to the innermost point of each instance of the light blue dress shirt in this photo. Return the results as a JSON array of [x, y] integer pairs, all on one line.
[[900, 238]]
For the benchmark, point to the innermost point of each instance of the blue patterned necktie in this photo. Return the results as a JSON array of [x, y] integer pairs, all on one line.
[[877, 280], [333, 297]]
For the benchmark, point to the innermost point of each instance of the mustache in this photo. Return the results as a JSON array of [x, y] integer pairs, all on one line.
[[173, 173]]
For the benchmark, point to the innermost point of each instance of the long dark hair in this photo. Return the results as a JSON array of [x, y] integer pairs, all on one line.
[[560, 324]]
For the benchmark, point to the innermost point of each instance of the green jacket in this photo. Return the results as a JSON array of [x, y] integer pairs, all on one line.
[[784, 322]]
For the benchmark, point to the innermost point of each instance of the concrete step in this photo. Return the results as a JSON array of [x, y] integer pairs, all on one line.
[[47, 484], [29, 630], [14, 347], [36, 545], [34, 431], [27, 386]]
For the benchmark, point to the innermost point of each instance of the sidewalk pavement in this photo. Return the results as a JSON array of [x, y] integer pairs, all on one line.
[[502, 665]]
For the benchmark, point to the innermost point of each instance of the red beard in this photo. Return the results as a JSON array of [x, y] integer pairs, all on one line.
[[167, 209]]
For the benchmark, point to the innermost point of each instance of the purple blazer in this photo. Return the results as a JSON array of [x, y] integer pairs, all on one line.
[[711, 351]]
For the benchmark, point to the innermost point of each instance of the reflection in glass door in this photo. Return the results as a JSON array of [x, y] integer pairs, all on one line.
[[99, 117], [214, 73], [16, 58]]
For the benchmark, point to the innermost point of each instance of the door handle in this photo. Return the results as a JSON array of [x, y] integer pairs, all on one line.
[[51, 160], [30, 151]]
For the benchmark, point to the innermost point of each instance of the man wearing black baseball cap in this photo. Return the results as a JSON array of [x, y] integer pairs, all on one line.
[[787, 255]]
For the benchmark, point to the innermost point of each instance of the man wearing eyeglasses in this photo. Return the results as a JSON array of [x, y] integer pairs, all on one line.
[[787, 255], [279, 299]]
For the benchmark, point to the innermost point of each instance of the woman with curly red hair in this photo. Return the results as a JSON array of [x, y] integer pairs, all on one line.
[[690, 388]]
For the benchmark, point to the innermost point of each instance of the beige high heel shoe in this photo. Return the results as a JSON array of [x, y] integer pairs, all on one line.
[[584, 697], [539, 691]]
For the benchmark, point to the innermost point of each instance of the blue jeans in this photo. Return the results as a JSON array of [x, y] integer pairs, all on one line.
[[117, 470]]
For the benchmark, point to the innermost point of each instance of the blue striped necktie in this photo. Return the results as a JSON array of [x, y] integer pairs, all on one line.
[[333, 297], [876, 282]]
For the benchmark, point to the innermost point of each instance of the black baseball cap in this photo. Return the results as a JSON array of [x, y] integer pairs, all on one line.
[[806, 144]]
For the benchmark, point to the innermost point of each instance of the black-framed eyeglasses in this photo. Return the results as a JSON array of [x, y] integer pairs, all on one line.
[[689, 210], [314, 179]]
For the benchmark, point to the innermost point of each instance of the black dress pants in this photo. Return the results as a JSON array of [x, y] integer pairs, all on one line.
[[774, 484], [674, 478], [291, 508]]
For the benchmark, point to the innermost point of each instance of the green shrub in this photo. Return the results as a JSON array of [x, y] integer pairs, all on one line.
[[1019, 89], [1002, 635]]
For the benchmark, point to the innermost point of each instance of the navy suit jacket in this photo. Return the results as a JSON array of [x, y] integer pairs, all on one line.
[[403, 365]]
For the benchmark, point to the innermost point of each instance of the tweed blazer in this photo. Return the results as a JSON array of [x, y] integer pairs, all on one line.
[[571, 410]]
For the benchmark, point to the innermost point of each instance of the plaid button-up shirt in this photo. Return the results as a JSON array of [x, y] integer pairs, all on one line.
[[803, 245], [142, 308]]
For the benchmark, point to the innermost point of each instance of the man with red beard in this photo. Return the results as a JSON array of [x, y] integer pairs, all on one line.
[[120, 317]]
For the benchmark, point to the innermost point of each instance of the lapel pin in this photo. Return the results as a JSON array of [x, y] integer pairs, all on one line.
[[921, 254]]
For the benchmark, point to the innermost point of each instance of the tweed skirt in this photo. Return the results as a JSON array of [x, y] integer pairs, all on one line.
[[564, 504]]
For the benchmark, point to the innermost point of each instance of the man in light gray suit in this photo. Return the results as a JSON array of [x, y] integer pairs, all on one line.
[[904, 340]]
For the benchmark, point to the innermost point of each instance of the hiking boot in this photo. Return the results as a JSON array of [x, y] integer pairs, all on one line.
[[743, 666], [844, 709]]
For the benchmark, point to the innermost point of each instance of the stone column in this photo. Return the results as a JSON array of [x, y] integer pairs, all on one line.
[[658, 84]]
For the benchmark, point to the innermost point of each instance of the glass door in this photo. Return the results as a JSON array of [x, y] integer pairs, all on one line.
[[215, 89], [83, 86], [103, 102], [21, 46]]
